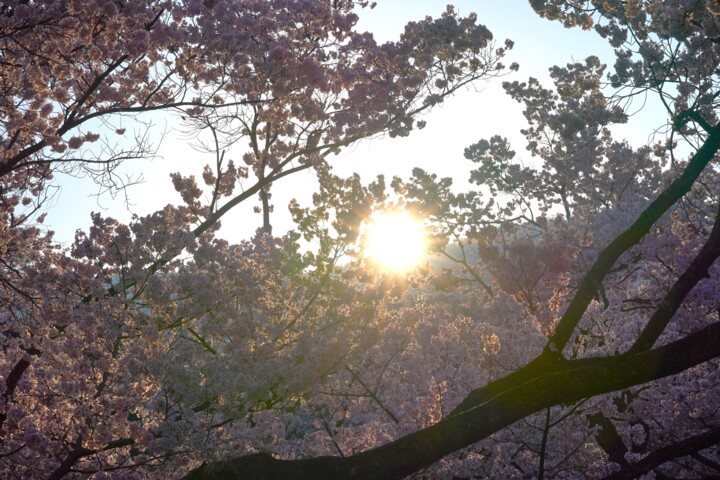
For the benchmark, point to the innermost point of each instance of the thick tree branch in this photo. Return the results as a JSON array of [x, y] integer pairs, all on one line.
[[706, 461], [695, 272], [609, 439], [562, 382], [14, 377], [686, 447], [630, 237], [11, 384]]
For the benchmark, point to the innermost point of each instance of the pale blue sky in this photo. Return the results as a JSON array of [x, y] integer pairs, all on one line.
[[462, 120]]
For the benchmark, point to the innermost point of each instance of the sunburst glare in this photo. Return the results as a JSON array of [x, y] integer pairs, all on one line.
[[394, 240]]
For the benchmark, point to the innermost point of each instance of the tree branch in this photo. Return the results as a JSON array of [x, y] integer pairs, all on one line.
[[609, 439], [563, 382], [11, 383], [695, 272], [686, 447], [79, 452], [630, 237]]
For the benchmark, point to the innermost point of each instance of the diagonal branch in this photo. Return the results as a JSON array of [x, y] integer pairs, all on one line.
[[11, 384], [373, 395], [630, 237], [695, 272], [567, 382], [80, 452], [685, 447], [609, 439]]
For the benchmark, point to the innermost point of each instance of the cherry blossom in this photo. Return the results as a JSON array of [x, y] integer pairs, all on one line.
[[564, 326]]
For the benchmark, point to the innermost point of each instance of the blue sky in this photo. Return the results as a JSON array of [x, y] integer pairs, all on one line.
[[462, 120]]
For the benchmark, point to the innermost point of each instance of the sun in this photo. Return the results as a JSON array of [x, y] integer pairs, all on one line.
[[394, 240]]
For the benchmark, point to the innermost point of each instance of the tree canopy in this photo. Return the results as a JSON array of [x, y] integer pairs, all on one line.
[[567, 324]]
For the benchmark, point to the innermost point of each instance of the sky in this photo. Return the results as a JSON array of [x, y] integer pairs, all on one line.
[[472, 114]]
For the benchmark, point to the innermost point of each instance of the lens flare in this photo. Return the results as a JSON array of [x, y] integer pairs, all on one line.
[[394, 240]]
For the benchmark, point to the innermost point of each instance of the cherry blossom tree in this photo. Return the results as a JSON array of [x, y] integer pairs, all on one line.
[[94, 358], [571, 331], [628, 264]]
